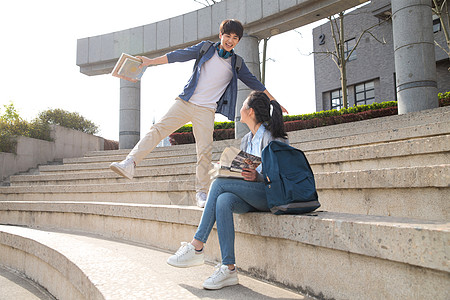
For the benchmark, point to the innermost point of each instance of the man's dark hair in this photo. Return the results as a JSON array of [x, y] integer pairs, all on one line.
[[232, 26]]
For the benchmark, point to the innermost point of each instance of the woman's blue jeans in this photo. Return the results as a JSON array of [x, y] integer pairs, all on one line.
[[227, 196]]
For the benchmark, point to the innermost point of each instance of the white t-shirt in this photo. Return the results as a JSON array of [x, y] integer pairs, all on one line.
[[215, 75]]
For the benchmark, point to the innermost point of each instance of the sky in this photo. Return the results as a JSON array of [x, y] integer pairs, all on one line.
[[39, 71]]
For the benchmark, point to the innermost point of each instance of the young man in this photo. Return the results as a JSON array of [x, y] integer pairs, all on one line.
[[212, 88]]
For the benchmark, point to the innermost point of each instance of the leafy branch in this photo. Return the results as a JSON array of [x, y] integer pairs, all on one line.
[[207, 3]]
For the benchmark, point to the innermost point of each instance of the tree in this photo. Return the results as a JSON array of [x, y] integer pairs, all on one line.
[[264, 60], [440, 9], [67, 119], [10, 115], [339, 55], [207, 2]]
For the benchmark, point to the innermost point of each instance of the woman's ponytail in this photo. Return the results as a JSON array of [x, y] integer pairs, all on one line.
[[276, 123], [268, 112]]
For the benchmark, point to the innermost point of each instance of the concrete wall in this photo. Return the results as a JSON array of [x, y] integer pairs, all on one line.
[[32, 152]]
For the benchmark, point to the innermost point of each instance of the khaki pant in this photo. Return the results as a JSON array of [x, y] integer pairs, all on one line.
[[180, 113]]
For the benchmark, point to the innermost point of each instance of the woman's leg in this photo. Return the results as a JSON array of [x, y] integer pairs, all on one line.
[[225, 197], [227, 203], [209, 213]]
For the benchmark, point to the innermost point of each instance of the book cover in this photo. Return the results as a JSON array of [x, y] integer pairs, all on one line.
[[127, 67], [232, 162]]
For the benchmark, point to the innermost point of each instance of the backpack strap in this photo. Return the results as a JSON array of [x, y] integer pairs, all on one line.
[[205, 47], [238, 64]]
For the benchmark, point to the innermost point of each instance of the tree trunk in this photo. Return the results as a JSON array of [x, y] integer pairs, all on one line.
[[343, 67], [344, 85], [263, 71]]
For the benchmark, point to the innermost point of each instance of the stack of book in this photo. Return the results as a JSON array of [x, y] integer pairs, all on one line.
[[128, 67]]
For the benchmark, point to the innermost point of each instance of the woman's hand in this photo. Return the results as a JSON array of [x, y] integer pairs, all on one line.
[[250, 174]]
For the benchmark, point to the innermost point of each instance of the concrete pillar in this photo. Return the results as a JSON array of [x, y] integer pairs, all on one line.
[[415, 63], [130, 114], [249, 50]]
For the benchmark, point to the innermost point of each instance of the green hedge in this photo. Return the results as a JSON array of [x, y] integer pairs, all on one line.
[[343, 111], [68, 119], [9, 129], [12, 125], [179, 138], [315, 115], [217, 125], [444, 100]]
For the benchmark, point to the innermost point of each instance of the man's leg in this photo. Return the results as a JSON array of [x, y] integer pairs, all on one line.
[[203, 127], [179, 114]]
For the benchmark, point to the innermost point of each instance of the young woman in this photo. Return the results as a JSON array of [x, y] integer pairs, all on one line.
[[227, 196]]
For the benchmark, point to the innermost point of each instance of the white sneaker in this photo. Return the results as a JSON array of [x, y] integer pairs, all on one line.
[[186, 256], [201, 199], [222, 277], [124, 168]]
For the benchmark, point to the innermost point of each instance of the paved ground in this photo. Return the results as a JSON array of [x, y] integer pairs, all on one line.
[[130, 271]]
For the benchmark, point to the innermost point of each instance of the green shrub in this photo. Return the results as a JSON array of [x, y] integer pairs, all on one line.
[[185, 128], [444, 99], [223, 125], [12, 125], [7, 144], [310, 116], [444, 95], [343, 111], [217, 125], [69, 120]]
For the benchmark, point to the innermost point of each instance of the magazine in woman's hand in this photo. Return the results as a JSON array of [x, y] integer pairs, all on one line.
[[233, 161]]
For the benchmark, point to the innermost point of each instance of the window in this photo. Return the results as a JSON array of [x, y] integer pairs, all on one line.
[[336, 99], [436, 24], [348, 46], [365, 93]]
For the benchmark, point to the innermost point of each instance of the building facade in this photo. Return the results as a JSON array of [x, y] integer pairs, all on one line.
[[370, 68]]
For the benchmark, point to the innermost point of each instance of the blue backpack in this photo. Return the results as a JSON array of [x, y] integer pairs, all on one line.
[[289, 180]]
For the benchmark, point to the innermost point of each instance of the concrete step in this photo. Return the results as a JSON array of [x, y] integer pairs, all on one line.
[[297, 140], [117, 157], [187, 149], [104, 166], [432, 116], [425, 151], [106, 176], [389, 123], [385, 257], [372, 192], [74, 265]]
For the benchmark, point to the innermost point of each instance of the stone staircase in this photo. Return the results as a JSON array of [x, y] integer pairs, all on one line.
[[382, 231]]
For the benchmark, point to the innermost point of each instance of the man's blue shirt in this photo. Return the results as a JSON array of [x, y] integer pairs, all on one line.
[[227, 103]]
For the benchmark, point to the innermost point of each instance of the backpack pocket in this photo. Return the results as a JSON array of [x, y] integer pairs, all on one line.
[[298, 187]]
